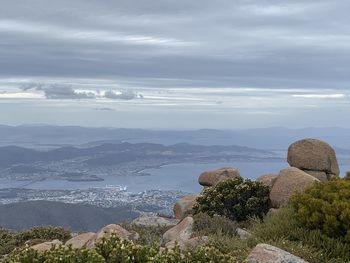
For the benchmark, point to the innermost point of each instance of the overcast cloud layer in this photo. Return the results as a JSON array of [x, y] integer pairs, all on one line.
[[175, 64]]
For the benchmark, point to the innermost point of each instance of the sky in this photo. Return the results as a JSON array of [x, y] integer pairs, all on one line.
[[175, 64]]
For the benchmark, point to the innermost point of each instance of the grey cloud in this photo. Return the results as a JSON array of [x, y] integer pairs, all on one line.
[[264, 43], [123, 95], [58, 91]]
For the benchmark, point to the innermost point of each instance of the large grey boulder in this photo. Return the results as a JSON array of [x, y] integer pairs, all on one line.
[[289, 181], [312, 155], [184, 206], [211, 178], [45, 246], [267, 179], [264, 253], [180, 232], [81, 240]]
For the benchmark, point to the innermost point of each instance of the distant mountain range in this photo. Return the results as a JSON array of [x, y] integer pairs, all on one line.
[[110, 154], [264, 138], [77, 217]]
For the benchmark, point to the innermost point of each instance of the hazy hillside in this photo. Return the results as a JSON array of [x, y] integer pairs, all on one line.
[[265, 138], [76, 217]]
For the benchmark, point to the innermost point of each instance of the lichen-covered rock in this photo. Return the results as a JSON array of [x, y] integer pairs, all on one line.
[[313, 155], [289, 180], [81, 240], [150, 220], [180, 232], [264, 253], [268, 179], [211, 178], [184, 206], [46, 245]]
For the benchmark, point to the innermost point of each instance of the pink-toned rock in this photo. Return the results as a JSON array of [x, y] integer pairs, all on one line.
[[211, 178], [149, 220], [313, 155], [81, 240], [268, 179], [289, 181], [107, 231], [322, 176], [180, 232], [264, 253], [46, 245], [184, 207]]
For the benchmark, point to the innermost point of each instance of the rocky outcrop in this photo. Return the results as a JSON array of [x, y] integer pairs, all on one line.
[[289, 180], [81, 240], [180, 232], [264, 253], [150, 220], [184, 206], [315, 157], [268, 179], [211, 178], [107, 231], [46, 245]]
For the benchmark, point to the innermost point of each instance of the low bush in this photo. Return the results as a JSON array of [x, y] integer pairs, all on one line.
[[114, 250], [236, 199], [282, 229], [10, 239], [207, 225], [325, 206]]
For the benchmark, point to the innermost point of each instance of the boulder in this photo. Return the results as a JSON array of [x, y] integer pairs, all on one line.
[[42, 247], [211, 178], [150, 220], [313, 155], [180, 232], [186, 244], [242, 233], [81, 240], [107, 231], [264, 253], [289, 180], [268, 179], [184, 207], [322, 176]]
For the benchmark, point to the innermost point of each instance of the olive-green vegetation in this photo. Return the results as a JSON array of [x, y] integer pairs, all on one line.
[[289, 228], [326, 207], [114, 250], [10, 239], [236, 199]]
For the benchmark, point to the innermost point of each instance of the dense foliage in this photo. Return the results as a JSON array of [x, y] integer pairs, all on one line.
[[114, 250], [10, 239], [325, 206], [236, 199], [282, 229]]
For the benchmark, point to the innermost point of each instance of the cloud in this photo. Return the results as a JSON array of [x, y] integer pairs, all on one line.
[[122, 95], [59, 91], [320, 96]]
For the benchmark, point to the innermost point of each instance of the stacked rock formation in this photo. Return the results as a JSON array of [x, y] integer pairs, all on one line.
[[314, 157], [184, 207], [311, 160]]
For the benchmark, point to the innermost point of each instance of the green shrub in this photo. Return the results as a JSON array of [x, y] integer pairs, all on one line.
[[113, 250], [283, 230], [236, 199], [206, 225], [325, 206], [44, 233], [9, 240]]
